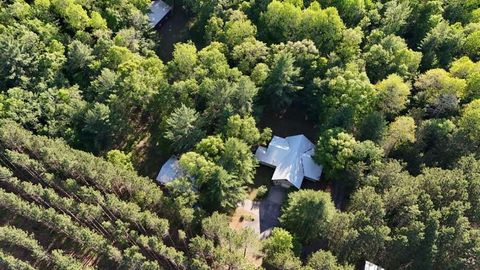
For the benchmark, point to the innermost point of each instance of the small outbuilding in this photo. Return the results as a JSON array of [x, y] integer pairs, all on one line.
[[292, 159], [169, 171], [159, 11], [371, 266]]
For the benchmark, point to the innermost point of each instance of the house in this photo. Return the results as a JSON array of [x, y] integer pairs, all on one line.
[[371, 266], [159, 11], [292, 159], [169, 171]]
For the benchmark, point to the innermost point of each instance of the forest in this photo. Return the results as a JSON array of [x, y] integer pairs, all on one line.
[[390, 90]]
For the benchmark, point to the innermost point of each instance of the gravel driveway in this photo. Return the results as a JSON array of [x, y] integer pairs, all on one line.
[[270, 210]]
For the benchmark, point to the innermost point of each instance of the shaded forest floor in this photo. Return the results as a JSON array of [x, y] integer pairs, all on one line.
[[176, 28], [292, 121]]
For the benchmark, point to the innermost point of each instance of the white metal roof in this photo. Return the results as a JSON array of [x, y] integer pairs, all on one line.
[[158, 10], [291, 157], [169, 171], [371, 266]]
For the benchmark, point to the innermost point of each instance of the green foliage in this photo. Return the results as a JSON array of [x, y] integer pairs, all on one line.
[[400, 132], [390, 55], [260, 74], [433, 135], [246, 130], [284, 21], [73, 13], [469, 122], [238, 28], [323, 26], [249, 53], [120, 159], [344, 158], [227, 247], [396, 17], [280, 241], [472, 45], [437, 82], [262, 192], [425, 16], [373, 127], [466, 69], [57, 156], [239, 160], [184, 61], [325, 260], [56, 221], [307, 214], [461, 11], [219, 189], [282, 80], [393, 93], [349, 47], [281, 20], [211, 147], [345, 95], [20, 238], [13, 263], [334, 149], [278, 249], [183, 128], [441, 45]]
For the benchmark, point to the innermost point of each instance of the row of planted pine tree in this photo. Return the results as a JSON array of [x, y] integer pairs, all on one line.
[[109, 215]]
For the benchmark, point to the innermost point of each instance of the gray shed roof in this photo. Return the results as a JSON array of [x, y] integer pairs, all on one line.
[[158, 11], [169, 171]]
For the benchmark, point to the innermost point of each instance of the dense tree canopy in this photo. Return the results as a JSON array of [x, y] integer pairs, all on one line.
[[388, 90], [308, 214]]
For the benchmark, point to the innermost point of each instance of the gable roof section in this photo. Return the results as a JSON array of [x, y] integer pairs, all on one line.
[[277, 150], [291, 157], [311, 169], [158, 11]]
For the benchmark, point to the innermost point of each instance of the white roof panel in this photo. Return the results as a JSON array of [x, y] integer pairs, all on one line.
[[300, 142], [169, 171], [279, 142], [261, 155], [158, 10], [371, 266], [292, 158], [276, 155], [311, 170]]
